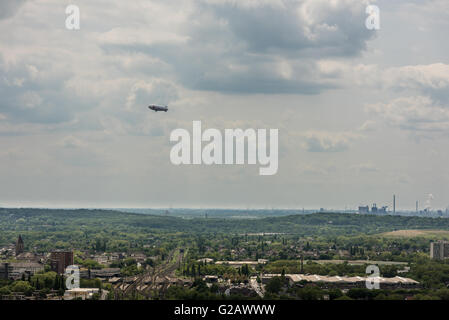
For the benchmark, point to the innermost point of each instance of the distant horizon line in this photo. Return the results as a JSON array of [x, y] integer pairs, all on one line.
[[317, 209]]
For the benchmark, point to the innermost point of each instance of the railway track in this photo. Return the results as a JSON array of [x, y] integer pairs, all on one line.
[[147, 282]]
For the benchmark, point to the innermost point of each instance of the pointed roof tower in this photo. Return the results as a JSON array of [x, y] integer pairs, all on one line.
[[19, 245]]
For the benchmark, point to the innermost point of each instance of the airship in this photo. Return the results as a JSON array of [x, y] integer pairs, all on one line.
[[158, 108]]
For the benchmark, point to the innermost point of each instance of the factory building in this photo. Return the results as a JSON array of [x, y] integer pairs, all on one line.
[[344, 282], [374, 209], [363, 209]]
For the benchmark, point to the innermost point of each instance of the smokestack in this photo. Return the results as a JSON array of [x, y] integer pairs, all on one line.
[[394, 204], [416, 206]]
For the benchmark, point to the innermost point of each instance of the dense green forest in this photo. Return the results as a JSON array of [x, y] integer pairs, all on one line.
[[84, 229]]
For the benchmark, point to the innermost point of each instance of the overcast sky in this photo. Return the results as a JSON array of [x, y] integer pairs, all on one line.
[[362, 114]]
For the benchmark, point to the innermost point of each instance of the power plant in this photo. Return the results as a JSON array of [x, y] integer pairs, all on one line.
[[365, 209], [374, 209]]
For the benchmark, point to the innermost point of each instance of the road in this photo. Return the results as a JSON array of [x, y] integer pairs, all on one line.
[[257, 287]]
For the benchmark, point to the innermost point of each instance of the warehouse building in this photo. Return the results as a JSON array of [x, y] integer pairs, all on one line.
[[345, 282]]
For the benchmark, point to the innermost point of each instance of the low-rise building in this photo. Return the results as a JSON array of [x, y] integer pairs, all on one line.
[[105, 273], [210, 278], [205, 260], [242, 263], [83, 293], [15, 270], [345, 282]]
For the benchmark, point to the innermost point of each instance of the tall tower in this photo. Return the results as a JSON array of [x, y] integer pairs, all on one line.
[[394, 204], [416, 206], [19, 245], [60, 260]]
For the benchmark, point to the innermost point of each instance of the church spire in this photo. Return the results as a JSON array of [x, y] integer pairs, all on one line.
[[19, 245]]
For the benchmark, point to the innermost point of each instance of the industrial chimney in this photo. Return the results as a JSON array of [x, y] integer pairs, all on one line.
[[394, 204]]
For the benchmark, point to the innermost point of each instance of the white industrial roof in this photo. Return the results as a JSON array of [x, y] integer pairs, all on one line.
[[340, 279]]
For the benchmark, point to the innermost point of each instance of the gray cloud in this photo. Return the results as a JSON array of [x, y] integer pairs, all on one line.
[[8, 8], [253, 47], [308, 27], [33, 90], [321, 141], [365, 168]]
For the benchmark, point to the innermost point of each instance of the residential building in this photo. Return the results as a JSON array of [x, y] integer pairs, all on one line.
[[60, 260], [439, 250]]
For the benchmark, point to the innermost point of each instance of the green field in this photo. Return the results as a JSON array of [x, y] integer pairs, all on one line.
[[414, 233]]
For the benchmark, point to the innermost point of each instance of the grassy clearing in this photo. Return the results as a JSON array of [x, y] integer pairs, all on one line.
[[412, 233]]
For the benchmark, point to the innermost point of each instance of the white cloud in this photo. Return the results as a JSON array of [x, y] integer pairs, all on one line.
[[433, 76], [365, 168], [321, 141], [426, 78], [368, 125], [72, 142], [129, 36], [418, 113]]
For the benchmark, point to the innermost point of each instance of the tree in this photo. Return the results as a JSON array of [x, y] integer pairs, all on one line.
[[37, 285], [274, 285], [56, 284], [335, 294], [21, 286], [345, 297], [5, 290], [361, 293], [309, 293]]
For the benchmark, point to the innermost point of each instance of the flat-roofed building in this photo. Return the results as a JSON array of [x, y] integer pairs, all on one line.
[[14, 270], [105, 273], [80, 293], [205, 260], [242, 263], [363, 209], [439, 250], [60, 260], [343, 281]]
